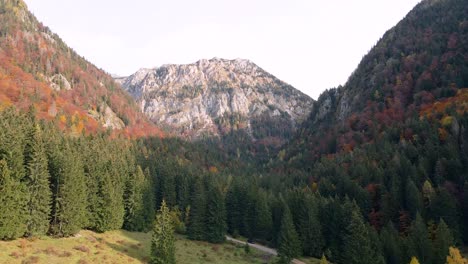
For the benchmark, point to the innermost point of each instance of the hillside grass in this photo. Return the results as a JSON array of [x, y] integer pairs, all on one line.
[[120, 247]]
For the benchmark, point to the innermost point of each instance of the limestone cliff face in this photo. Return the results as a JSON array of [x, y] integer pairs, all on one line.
[[214, 97]]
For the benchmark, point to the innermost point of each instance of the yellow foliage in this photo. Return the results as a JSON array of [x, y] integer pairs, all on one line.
[[414, 260], [447, 121], [455, 257]]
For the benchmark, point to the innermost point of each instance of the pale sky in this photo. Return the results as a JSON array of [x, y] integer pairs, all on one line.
[[310, 44]]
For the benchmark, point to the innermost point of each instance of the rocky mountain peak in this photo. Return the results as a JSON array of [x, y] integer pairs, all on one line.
[[215, 96]]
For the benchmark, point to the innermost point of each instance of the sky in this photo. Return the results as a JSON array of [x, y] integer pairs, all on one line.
[[311, 44]]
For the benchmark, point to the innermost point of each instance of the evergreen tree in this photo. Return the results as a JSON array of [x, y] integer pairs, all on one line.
[[413, 197], [289, 243], [196, 228], [310, 230], [110, 209], [133, 199], [69, 205], [38, 184], [391, 244], [162, 242], [419, 244], [442, 242], [11, 205], [263, 221], [357, 246], [216, 217]]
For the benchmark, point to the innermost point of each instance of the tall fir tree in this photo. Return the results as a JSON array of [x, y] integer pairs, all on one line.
[[12, 204], [216, 216], [310, 230], [391, 244], [263, 221], [196, 228], [163, 241], [418, 242], [133, 198], [357, 246], [443, 240], [38, 184], [69, 204], [289, 243]]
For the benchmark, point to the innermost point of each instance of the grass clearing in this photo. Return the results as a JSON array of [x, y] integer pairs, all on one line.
[[120, 247]]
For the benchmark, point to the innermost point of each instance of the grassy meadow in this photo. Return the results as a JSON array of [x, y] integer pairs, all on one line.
[[119, 247]]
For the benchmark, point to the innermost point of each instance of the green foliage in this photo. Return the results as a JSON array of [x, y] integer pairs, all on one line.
[[38, 182], [69, 192], [357, 247], [443, 240], [162, 242], [12, 217], [289, 243], [216, 216], [134, 219], [419, 244], [196, 228]]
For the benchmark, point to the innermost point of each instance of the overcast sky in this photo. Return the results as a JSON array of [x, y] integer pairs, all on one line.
[[311, 44]]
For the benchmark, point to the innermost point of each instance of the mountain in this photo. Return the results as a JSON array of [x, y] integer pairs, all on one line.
[[418, 66], [38, 68], [218, 96]]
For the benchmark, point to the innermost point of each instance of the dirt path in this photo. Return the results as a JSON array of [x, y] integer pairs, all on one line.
[[268, 250]]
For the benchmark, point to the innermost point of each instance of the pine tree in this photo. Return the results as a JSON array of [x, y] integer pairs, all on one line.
[[133, 198], [216, 217], [391, 244], [419, 244], [357, 247], [11, 205], [38, 184], [263, 221], [289, 243], [310, 230], [442, 242], [69, 204], [110, 209], [162, 242], [196, 228]]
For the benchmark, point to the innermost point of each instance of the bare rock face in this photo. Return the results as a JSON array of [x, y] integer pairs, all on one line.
[[213, 97]]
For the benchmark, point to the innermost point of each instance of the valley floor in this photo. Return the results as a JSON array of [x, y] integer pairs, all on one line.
[[120, 247]]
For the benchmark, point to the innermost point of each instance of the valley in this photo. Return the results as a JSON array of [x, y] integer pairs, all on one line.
[[161, 166]]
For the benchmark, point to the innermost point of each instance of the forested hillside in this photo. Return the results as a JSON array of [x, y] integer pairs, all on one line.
[[37, 67], [377, 174]]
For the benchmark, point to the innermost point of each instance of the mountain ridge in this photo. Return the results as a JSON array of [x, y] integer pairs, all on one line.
[[215, 96]]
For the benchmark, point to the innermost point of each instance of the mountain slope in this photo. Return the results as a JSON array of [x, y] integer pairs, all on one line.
[[419, 62], [218, 96], [37, 67]]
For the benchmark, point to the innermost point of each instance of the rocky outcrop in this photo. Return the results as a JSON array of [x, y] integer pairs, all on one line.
[[213, 97]]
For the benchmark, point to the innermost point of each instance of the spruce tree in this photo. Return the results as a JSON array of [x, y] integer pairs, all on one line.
[[196, 228], [419, 244], [310, 230], [133, 198], [69, 204], [289, 243], [110, 209], [442, 242], [162, 242], [263, 221], [11, 205], [216, 217], [357, 246], [391, 244], [38, 184]]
